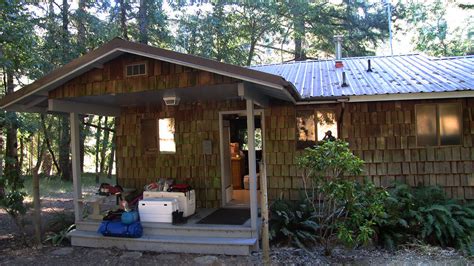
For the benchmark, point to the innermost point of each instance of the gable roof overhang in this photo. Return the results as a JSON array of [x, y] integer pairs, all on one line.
[[33, 97]]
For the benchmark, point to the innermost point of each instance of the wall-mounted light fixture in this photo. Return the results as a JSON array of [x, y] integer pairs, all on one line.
[[171, 100]]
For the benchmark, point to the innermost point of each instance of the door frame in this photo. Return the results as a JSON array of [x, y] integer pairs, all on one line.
[[257, 112]]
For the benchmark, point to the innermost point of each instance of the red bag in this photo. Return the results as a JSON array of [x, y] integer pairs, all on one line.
[[107, 189], [180, 188]]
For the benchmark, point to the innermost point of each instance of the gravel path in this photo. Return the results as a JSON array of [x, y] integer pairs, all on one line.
[[279, 256]]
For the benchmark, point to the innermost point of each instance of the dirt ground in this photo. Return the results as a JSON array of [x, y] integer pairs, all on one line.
[[58, 207]]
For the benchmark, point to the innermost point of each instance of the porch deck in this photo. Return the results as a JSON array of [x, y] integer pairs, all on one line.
[[163, 237]]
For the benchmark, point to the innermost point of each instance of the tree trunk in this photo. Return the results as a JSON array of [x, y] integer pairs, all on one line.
[[64, 149], [81, 27], [123, 19], [64, 140], [97, 150], [105, 144], [111, 158], [47, 139], [11, 159], [253, 43], [299, 32], [143, 21], [84, 130], [47, 164], [22, 155], [36, 193]]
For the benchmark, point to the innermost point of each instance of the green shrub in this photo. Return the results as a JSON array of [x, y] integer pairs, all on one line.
[[292, 223], [58, 238], [340, 207], [424, 213]]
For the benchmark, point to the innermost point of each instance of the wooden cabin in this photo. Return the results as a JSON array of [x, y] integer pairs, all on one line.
[[222, 128]]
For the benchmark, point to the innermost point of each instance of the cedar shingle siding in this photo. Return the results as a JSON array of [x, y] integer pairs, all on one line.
[[111, 78], [381, 133]]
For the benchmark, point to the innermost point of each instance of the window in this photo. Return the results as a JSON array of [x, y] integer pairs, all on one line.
[[135, 70], [438, 124], [158, 135], [166, 135], [314, 126], [258, 139]]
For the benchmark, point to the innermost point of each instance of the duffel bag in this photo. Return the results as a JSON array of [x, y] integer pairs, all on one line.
[[180, 188], [118, 229]]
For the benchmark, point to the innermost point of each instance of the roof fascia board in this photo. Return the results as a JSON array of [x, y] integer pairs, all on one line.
[[412, 96], [26, 109], [166, 59], [61, 77]]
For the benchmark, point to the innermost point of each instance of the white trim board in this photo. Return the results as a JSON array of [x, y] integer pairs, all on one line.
[[257, 112], [394, 97], [413, 96]]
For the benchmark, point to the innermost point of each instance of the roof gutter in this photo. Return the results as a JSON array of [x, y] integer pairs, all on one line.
[[323, 100], [412, 96]]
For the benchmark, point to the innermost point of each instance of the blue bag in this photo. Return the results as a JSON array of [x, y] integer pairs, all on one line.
[[129, 217], [117, 229]]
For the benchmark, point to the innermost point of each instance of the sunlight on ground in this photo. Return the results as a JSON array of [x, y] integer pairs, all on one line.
[[60, 189]]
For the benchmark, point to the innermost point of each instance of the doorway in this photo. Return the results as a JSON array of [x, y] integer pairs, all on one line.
[[234, 156]]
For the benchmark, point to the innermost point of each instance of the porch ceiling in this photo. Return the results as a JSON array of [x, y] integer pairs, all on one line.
[[219, 92]]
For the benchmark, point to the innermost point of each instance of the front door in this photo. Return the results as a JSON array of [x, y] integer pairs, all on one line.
[[234, 156]]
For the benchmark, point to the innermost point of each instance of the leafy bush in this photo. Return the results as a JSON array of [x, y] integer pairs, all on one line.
[[340, 207], [57, 239], [424, 213], [292, 223]]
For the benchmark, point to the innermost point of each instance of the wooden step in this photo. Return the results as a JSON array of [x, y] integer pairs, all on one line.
[[166, 243], [153, 229]]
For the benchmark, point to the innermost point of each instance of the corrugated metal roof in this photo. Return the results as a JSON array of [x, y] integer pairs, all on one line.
[[412, 73]]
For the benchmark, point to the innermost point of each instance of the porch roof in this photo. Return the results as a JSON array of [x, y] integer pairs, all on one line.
[[33, 97]]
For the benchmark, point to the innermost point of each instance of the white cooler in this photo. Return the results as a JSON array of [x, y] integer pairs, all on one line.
[[186, 200], [157, 210]]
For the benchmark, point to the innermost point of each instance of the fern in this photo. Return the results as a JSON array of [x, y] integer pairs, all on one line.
[[426, 214]]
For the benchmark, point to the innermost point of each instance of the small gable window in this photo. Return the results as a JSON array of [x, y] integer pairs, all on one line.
[[438, 124], [138, 69], [313, 126]]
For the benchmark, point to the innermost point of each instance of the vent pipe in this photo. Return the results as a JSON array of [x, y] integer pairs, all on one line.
[[338, 40], [369, 66], [344, 80]]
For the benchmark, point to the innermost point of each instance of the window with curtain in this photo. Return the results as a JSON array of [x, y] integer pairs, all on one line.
[[438, 124]]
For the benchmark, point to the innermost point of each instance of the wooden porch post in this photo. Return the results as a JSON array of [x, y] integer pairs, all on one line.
[[252, 166], [76, 165]]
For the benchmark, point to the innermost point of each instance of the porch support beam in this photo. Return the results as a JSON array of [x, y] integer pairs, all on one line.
[[245, 91], [81, 108], [252, 166], [76, 165], [26, 109]]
